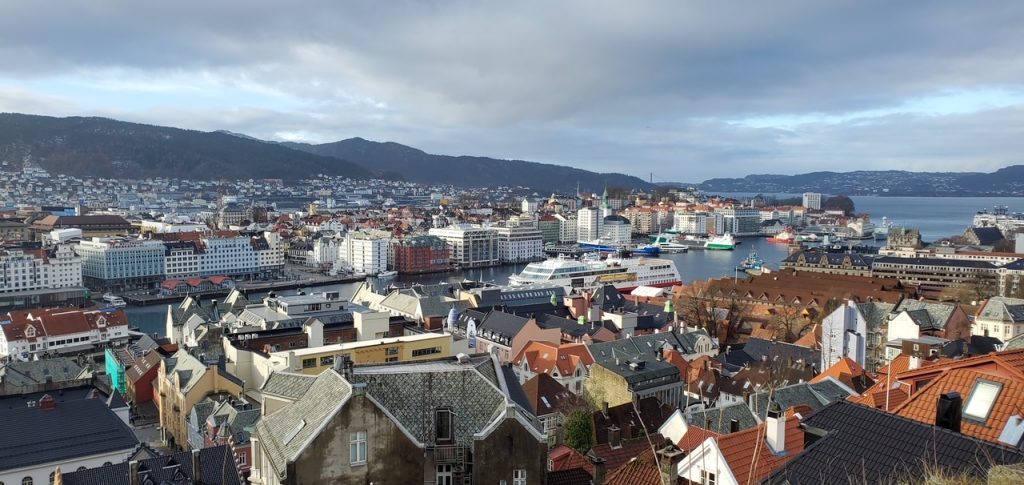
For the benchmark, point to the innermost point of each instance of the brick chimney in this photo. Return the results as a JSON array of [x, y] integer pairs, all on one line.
[[47, 403], [599, 470]]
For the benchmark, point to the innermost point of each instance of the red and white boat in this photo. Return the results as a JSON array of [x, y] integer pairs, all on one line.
[[785, 237]]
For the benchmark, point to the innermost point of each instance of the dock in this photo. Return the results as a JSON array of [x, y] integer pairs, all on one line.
[[246, 288]]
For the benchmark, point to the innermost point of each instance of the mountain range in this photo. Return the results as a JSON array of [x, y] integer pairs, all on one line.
[[102, 147]]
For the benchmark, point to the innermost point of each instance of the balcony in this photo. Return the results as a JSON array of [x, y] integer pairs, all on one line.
[[450, 454]]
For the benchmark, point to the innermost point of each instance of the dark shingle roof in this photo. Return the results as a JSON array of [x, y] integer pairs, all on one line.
[[216, 466], [757, 350], [576, 476], [718, 419], [865, 445], [946, 263], [73, 429]]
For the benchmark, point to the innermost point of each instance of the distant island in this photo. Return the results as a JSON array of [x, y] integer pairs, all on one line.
[[1005, 182]]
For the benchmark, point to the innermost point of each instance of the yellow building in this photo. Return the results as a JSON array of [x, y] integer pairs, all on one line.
[[183, 381], [409, 348]]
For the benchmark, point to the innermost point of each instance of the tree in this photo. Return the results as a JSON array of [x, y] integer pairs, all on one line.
[[839, 202], [791, 320], [579, 431]]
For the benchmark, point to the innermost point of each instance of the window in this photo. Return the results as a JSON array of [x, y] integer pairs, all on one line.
[[308, 363], [329, 360], [707, 478], [51, 477], [981, 400], [443, 424], [519, 476], [357, 448], [391, 351], [241, 458], [26, 481], [444, 475]]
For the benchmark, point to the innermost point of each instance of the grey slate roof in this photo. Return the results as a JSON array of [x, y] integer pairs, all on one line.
[[285, 432], [216, 465], [617, 354], [875, 313], [1015, 343], [757, 350], [406, 391], [73, 429], [1003, 309], [795, 395], [865, 445], [58, 369], [928, 315], [717, 419], [289, 385]]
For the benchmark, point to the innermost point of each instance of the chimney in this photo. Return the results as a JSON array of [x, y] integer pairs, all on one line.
[[915, 362], [776, 428], [734, 425], [133, 473], [614, 436], [598, 463], [197, 471], [948, 411], [47, 403]]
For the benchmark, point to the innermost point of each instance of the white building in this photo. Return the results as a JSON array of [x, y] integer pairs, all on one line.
[[519, 243], [740, 221], [181, 260], [364, 252], [1000, 317], [470, 246], [39, 331], [529, 206], [691, 223], [228, 255], [588, 224], [616, 230], [567, 228], [326, 251], [121, 263], [39, 269], [844, 333], [812, 200]]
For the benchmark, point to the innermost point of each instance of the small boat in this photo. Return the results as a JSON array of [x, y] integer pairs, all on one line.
[[387, 274], [113, 301], [667, 243]]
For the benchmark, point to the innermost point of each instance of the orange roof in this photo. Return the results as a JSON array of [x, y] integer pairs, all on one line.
[[1005, 368], [812, 339], [636, 472], [563, 457], [694, 436], [748, 454], [845, 366], [542, 357]]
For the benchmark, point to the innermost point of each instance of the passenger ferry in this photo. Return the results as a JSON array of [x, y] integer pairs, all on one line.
[[669, 244], [590, 272], [724, 243], [114, 301]]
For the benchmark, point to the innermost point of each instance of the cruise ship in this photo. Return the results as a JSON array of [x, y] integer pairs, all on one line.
[[624, 273]]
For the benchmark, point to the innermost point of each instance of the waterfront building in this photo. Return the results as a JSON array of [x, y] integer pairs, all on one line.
[[470, 246], [520, 243], [29, 270], [181, 259], [937, 274], [364, 252], [549, 227], [567, 228], [588, 224], [740, 221], [812, 200], [818, 261], [444, 421], [420, 254], [695, 223], [1000, 317], [46, 436], [616, 230], [326, 251], [27, 334], [115, 264]]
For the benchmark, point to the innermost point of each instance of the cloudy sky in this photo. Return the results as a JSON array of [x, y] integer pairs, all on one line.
[[687, 90]]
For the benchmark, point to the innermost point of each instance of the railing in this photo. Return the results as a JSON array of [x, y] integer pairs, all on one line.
[[444, 454]]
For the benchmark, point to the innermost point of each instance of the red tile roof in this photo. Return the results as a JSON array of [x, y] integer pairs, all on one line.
[[748, 454], [564, 458], [638, 448], [542, 357], [54, 322], [636, 472]]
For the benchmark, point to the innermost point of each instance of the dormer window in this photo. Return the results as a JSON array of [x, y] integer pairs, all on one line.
[[30, 331], [444, 425]]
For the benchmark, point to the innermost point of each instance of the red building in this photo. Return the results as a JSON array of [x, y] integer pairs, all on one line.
[[140, 376], [420, 254]]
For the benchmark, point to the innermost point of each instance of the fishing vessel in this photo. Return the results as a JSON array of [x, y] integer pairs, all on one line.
[[724, 243], [752, 265], [668, 243], [590, 271]]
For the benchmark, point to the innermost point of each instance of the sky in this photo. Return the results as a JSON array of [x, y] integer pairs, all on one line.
[[683, 90]]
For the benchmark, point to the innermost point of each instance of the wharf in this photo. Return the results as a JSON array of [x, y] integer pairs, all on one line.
[[246, 289]]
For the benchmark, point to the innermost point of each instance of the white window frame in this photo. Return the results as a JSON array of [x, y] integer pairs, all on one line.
[[357, 448], [519, 476], [708, 478]]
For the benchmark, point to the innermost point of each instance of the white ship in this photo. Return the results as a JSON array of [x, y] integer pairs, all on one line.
[[112, 301], [624, 273]]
